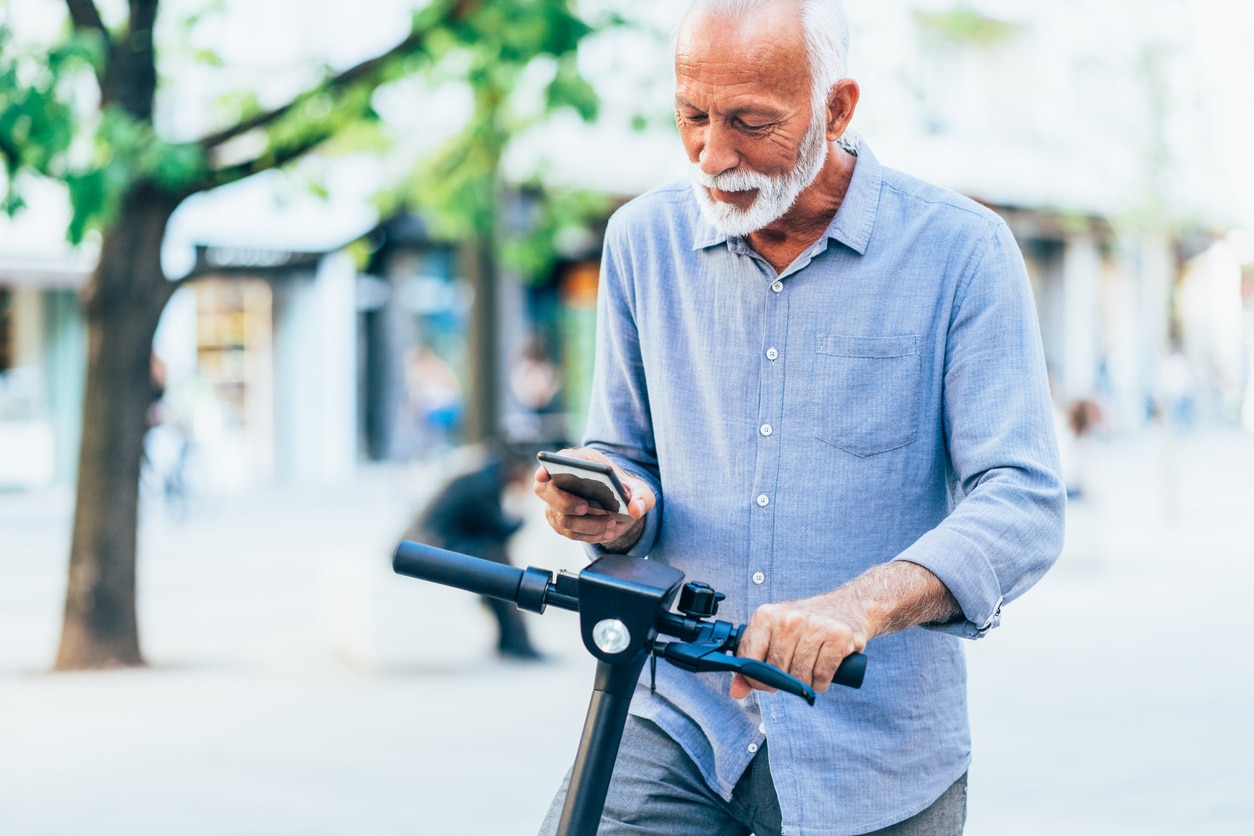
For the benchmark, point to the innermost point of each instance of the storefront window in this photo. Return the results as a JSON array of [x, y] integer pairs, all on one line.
[[231, 403], [6, 330]]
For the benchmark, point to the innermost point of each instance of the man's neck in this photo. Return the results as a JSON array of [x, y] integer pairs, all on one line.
[[781, 241]]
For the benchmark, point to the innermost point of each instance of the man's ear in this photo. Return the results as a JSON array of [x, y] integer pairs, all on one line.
[[842, 100]]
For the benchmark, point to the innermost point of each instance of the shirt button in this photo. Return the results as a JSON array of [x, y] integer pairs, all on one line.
[[753, 748], [759, 578], [763, 500], [772, 354], [766, 429], [762, 728], [777, 287]]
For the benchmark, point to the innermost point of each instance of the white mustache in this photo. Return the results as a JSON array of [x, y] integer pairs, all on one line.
[[732, 181]]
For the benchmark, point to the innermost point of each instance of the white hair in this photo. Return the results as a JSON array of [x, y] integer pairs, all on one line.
[[824, 28]]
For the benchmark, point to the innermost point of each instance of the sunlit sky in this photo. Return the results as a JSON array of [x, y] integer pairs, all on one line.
[[1225, 30]]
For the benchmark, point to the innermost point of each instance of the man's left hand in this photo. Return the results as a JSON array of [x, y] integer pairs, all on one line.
[[807, 638], [810, 637]]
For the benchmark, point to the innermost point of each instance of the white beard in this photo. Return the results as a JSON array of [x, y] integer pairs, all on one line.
[[775, 195]]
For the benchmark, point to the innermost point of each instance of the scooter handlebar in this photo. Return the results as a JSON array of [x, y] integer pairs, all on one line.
[[531, 589], [473, 574]]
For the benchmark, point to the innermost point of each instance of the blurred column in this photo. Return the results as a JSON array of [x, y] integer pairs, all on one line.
[[315, 375], [337, 340], [1121, 344], [65, 367], [1082, 265], [1156, 275]]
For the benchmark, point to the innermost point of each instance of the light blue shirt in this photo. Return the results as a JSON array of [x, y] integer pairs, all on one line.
[[883, 398]]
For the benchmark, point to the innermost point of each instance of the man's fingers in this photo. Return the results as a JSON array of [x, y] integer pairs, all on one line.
[[825, 669], [757, 637], [774, 635], [754, 644], [807, 656], [638, 507], [806, 644], [594, 526], [558, 500]]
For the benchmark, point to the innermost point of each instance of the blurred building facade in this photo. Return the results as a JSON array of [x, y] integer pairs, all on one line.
[[280, 359], [286, 358], [1094, 129], [42, 345]]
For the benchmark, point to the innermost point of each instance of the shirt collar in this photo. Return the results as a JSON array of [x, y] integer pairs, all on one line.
[[853, 222]]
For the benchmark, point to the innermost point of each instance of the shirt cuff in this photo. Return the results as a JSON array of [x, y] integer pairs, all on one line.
[[969, 576], [642, 546]]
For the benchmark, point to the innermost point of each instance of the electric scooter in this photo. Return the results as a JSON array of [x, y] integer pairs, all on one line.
[[624, 605]]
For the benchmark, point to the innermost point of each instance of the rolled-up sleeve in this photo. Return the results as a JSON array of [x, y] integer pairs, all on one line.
[[1007, 527]]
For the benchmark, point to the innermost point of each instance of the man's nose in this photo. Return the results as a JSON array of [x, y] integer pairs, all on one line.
[[718, 149]]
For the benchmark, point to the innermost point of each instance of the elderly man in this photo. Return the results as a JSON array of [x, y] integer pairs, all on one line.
[[822, 382]]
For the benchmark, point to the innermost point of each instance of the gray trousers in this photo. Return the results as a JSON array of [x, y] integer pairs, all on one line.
[[658, 790]]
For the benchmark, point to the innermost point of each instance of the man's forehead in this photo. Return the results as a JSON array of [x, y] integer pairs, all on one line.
[[740, 61], [718, 39]]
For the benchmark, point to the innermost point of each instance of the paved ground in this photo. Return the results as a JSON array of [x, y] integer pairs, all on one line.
[[297, 687]]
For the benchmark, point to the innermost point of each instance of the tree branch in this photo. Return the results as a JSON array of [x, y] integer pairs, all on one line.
[[273, 158], [359, 72], [86, 17], [143, 17], [365, 71]]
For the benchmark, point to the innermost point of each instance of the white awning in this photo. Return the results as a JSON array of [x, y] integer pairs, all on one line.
[[273, 211]]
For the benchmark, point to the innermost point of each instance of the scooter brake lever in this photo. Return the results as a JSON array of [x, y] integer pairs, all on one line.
[[701, 658]]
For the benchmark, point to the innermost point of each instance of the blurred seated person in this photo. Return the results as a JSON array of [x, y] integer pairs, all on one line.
[[467, 515]]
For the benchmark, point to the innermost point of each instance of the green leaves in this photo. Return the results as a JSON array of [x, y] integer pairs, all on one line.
[[122, 151], [966, 25], [570, 89], [37, 117], [500, 50], [515, 31], [48, 127], [560, 216], [517, 57]]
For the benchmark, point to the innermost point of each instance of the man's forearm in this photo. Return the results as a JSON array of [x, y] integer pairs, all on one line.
[[899, 595]]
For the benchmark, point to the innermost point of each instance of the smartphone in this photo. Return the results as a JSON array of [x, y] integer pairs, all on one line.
[[593, 481]]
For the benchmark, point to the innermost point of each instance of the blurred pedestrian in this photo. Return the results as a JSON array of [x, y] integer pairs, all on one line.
[[1176, 388], [167, 445], [434, 405], [534, 383], [1082, 419], [467, 515]]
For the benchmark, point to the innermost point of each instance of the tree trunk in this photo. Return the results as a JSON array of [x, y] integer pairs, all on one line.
[[484, 404], [123, 304]]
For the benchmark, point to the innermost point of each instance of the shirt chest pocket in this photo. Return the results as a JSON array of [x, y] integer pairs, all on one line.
[[865, 392]]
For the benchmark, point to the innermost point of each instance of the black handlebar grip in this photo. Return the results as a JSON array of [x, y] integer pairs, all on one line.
[[473, 574], [851, 671]]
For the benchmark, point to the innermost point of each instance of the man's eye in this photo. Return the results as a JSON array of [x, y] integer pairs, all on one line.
[[752, 128]]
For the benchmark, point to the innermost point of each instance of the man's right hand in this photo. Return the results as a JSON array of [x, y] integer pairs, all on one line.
[[578, 519]]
